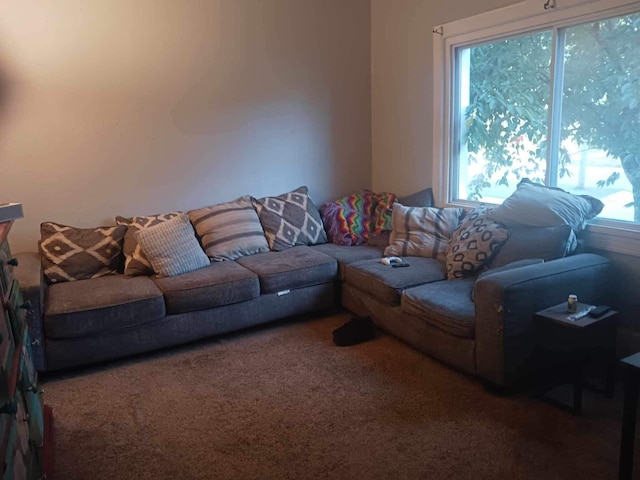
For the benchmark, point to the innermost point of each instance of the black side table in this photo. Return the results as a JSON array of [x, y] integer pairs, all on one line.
[[631, 366], [575, 342]]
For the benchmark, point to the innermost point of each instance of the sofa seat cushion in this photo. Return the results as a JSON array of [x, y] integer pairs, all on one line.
[[346, 254], [386, 283], [446, 305], [295, 267], [101, 305], [221, 283]]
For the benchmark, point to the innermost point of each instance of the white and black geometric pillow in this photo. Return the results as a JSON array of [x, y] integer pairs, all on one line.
[[290, 219], [474, 243], [136, 263], [69, 253]]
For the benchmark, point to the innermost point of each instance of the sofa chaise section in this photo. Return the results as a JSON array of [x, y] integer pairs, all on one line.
[[492, 336]]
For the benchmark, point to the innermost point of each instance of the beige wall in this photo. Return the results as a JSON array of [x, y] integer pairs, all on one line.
[[119, 107], [402, 86]]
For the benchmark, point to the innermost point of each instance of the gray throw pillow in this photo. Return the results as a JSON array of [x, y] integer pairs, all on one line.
[[290, 219], [423, 198], [172, 247], [69, 253], [540, 206]]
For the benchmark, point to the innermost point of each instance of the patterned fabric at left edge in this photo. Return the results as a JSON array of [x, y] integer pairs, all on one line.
[[290, 219], [70, 253]]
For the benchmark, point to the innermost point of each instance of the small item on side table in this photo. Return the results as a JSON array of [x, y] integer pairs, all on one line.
[[581, 314], [599, 311], [572, 303]]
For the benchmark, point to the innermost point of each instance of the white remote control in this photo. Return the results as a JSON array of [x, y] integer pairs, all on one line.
[[580, 314]]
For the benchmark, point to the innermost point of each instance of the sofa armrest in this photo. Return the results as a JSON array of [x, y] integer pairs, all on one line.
[[507, 301], [32, 285]]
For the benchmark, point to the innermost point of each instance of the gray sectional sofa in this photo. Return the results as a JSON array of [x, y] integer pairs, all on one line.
[[468, 297], [88, 321]]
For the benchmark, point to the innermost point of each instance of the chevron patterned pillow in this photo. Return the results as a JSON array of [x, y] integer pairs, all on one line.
[[136, 262], [70, 253]]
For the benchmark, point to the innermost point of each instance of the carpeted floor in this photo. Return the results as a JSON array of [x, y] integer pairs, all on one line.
[[282, 402]]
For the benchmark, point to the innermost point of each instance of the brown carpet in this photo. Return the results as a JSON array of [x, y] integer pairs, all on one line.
[[282, 402]]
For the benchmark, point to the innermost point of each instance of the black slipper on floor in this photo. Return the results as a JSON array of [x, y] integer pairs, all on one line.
[[356, 330]]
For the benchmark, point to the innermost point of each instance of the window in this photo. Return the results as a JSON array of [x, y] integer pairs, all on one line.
[[545, 90]]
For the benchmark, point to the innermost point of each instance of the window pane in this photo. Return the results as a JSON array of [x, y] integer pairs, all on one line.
[[502, 105], [600, 148]]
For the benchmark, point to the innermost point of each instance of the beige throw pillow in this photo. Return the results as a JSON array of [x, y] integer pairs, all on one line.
[[421, 231]]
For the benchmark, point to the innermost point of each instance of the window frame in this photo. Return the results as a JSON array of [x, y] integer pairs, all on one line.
[[524, 17]]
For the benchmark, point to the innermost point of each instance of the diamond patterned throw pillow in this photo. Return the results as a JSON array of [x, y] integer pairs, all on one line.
[[474, 243], [290, 219], [70, 253], [136, 262]]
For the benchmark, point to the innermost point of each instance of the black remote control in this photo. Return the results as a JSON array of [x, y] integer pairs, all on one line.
[[399, 265], [599, 311]]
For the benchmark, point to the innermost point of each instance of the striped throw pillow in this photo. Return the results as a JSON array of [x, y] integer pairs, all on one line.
[[172, 247], [422, 231], [229, 230]]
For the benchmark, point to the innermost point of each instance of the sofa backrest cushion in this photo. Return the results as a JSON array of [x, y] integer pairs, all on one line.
[[474, 243], [422, 232], [136, 263], [69, 253], [229, 230], [290, 220], [172, 247], [547, 243]]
